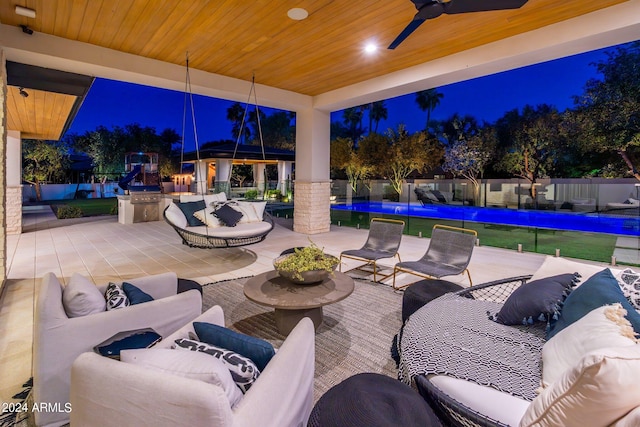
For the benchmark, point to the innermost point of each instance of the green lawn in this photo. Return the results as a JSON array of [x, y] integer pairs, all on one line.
[[90, 207], [573, 244]]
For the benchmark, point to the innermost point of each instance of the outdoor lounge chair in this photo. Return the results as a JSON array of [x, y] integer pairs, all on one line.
[[383, 241], [448, 254]]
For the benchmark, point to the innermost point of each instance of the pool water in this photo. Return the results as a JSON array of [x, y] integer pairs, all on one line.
[[571, 221]]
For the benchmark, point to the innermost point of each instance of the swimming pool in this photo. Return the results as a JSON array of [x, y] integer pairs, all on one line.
[[572, 221]]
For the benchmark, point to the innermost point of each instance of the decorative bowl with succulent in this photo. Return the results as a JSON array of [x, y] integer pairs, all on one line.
[[307, 265]]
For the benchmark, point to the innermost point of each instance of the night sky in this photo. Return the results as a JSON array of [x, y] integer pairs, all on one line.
[[111, 103]]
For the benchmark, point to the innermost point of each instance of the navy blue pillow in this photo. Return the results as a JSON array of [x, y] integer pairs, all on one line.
[[256, 349], [189, 208], [600, 289], [135, 294], [228, 215], [536, 301]]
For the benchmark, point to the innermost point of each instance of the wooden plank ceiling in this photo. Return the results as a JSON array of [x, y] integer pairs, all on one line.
[[41, 115], [324, 52]]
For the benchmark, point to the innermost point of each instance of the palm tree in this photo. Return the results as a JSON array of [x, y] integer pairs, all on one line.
[[377, 111], [235, 114], [352, 117], [428, 100]]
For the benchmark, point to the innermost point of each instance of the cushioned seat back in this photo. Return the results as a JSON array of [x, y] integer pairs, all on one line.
[[49, 315]]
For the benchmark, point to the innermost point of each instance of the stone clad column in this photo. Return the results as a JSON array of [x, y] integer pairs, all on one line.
[[14, 179], [312, 185]]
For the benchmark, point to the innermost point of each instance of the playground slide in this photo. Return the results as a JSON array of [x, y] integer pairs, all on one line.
[[124, 182]]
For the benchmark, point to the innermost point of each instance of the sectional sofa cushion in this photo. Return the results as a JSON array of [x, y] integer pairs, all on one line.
[[243, 371], [192, 364], [115, 297], [135, 294], [81, 297], [256, 349]]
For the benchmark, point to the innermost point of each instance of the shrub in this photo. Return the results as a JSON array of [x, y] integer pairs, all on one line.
[[66, 211], [274, 194], [251, 194]]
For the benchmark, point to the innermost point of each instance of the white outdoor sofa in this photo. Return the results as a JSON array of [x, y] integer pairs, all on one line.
[[110, 393]]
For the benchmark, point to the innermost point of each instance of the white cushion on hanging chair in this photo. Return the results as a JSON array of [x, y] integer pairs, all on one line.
[[258, 207], [206, 215], [175, 215], [208, 198], [249, 213], [241, 230]]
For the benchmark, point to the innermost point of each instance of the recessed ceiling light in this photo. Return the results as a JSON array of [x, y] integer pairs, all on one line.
[[370, 48], [297, 14]]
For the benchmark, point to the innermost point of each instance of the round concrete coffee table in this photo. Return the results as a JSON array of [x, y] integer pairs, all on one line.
[[292, 302]]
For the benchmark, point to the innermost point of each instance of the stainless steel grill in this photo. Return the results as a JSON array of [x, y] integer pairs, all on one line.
[[146, 202]]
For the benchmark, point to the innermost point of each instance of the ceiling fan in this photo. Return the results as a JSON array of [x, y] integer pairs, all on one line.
[[429, 9]]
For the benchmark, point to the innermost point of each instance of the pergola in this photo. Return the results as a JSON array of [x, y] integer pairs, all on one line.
[[311, 67], [215, 163]]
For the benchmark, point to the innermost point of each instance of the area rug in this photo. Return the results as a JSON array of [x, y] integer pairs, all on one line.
[[14, 414], [355, 336]]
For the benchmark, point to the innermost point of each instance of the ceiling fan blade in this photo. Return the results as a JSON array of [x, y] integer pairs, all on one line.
[[466, 6], [406, 32]]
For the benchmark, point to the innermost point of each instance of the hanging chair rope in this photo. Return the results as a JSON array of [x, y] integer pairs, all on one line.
[[209, 240], [189, 101], [242, 124]]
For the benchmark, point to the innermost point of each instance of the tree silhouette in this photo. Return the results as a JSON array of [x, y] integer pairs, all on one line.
[[537, 143], [235, 114], [609, 109], [428, 100], [43, 161], [352, 117], [377, 111]]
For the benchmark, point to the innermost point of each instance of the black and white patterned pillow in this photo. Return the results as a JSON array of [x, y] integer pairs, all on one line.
[[243, 371], [116, 298], [629, 282]]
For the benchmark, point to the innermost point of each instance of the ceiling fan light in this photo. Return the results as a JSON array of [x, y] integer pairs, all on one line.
[[297, 14], [25, 11]]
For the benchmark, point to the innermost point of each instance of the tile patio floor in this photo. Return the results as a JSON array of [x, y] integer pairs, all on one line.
[[104, 250]]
